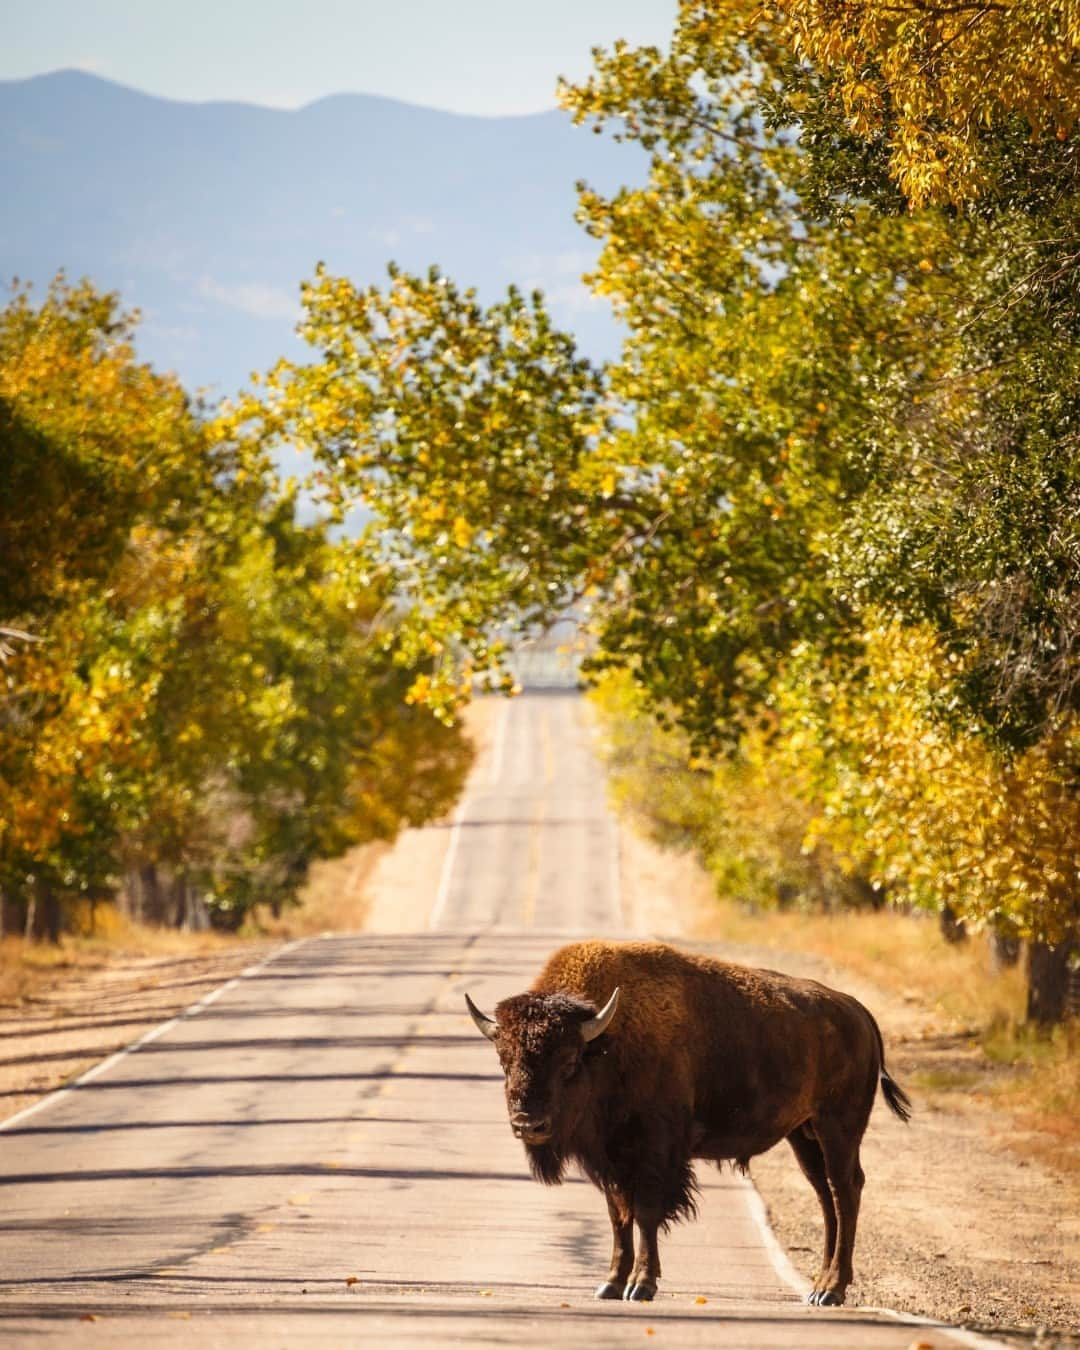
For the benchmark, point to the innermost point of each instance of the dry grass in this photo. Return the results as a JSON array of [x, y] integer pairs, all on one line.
[[903, 954], [29, 969], [977, 1046], [333, 899]]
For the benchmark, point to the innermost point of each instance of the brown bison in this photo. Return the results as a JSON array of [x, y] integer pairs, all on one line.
[[632, 1059]]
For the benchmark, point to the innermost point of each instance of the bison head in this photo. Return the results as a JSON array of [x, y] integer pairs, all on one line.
[[543, 1041]]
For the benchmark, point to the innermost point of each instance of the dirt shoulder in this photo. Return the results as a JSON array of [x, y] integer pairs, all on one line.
[[955, 1223], [76, 1018]]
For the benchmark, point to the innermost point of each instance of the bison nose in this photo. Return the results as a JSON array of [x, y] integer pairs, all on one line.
[[531, 1129]]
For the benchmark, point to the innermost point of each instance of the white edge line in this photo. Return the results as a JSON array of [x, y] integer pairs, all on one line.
[[104, 1065], [781, 1263], [971, 1338], [442, 894]]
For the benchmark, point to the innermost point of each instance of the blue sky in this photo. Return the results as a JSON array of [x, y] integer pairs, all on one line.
[[473, 56]]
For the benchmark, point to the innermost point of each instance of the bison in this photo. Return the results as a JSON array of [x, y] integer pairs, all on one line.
[[632, 1059]]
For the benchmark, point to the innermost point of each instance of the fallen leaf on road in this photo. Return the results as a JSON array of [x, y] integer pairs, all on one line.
[[179, 1316], [701, 1299], [88, 1317], [299, 1199], [353, 1279], [485, 1293]]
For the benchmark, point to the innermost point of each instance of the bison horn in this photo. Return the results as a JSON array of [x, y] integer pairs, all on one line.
[[596, 1026], [487, 1026]]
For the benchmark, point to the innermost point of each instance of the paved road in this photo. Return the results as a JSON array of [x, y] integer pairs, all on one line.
[[320, 1155], [534, 844]]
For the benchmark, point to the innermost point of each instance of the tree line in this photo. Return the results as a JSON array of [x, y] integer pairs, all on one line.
[[822, 514], [199, 694]]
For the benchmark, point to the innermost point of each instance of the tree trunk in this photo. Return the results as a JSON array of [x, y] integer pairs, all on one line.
[[1048, 982], [51, 914], [873, 897], [31, 915], [1004, 950], [786, 895], [952, 927], [179, 889]]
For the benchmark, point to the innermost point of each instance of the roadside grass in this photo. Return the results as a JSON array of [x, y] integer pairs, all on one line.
[[29, 969], [331, 901], [980, 1047], [902, 953]]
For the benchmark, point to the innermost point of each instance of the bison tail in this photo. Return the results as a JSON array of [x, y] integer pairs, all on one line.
[[894, 1094]]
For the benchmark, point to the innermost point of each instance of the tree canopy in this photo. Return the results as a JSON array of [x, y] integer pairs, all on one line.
[[214, 690]]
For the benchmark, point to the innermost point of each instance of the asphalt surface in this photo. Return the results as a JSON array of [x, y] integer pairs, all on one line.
[[320, 1154]]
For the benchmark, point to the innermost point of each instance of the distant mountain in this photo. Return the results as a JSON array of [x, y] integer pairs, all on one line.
[[208, 216]]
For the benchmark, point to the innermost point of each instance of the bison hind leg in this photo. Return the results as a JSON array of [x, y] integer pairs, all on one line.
[[811, 1160], [840, 1149]]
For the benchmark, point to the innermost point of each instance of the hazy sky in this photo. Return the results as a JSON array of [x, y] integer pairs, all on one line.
[[474, 56]]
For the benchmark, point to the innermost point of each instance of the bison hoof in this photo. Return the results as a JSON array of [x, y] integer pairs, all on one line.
[[640, 1293], [610, 1290], [824, 1298]]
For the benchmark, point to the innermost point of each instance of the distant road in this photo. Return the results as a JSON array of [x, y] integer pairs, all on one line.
[[533, 843], [320, 1154]]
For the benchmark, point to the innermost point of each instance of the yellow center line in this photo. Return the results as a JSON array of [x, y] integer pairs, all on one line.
[[536, 827], [549, 750]]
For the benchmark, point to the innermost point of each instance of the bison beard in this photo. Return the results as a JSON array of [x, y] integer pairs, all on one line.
[[687, 1058]]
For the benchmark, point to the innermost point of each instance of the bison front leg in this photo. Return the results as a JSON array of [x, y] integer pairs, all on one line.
[[646, 1273], [622, 1247]]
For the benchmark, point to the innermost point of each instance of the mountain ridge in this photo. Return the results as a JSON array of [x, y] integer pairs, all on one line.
[[92, 78], [207, 216]]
